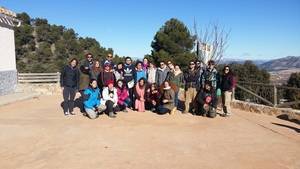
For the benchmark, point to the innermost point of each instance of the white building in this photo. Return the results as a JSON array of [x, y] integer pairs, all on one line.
[[8, 71]]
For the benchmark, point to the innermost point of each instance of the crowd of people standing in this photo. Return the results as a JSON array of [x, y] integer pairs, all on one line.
[[106, 87]]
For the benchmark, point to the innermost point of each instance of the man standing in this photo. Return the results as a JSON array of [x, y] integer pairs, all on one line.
[[210, 75], [161, 73], [129, 72], [108, 60], [191, 81], [85, 68]]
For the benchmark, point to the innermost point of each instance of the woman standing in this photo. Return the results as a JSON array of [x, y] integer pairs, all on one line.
[[95, 70], [69, 81], [140, 95], [227, 84], [151, 73], [176, 77], [119, 72], [140, 72], [145, 64], [105, 76]]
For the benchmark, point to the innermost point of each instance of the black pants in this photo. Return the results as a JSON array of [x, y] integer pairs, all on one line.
[[69, 96], [131, 96], [110, 107]]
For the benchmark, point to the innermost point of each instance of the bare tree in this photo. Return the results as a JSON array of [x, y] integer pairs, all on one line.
[[211, 42]]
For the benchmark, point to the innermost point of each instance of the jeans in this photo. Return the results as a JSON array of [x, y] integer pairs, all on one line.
[[92, 114], [69, 96], [176, 99]]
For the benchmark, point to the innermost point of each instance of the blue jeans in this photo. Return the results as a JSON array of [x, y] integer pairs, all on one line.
[[176, 98]]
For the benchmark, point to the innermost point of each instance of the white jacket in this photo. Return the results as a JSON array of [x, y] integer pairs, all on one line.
[[151, 75], [106, 97]]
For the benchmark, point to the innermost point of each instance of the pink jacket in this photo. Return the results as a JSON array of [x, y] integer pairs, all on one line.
[[122, 95]]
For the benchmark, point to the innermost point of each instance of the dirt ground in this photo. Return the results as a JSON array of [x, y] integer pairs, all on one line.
[[35, 135]]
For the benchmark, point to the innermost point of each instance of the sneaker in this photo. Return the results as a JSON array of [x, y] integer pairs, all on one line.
[[173, 110], [72, 113], [125, 111], [66, 113], [112, 115]]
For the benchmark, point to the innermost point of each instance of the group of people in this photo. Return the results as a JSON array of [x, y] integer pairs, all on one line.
[[106, 87]]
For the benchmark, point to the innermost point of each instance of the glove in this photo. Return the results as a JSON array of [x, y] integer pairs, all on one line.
[[218, 92]]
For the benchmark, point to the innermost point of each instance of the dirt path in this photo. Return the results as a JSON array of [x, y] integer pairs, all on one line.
[[35, 134]]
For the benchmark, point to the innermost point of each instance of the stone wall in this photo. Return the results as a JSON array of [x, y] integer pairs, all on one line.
[[284, 113], [8, 81], [42, 89]]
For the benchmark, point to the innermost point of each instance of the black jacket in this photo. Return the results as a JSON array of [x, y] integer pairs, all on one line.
[[202, 94], [191, 78], [227, 82], [129, 73], [69, 77]]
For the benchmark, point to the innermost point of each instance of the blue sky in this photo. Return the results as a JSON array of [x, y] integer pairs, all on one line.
[[259, 29]]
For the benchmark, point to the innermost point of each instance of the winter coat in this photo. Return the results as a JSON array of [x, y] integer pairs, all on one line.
[[177, 80], [153, 96], [161, 75], [169, 95], [139, 74], [104, 77], [211, 76], [129, 72], [151, 74], [94, 74], [123, 94], [227, 82], [69, 77], [191, 78], [91, 97], [119, 74], [202, 96], [106, 96]]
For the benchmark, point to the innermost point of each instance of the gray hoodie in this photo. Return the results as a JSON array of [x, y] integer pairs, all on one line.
[[161, 75]]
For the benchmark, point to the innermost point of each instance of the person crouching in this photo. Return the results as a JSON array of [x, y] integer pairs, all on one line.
[[110, 97], [206, 101], [92, 100]]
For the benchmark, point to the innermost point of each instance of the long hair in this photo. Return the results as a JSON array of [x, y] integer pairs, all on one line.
[[172, 85], [96, 69]]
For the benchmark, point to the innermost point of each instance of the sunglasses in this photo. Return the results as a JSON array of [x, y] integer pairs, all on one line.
[[226, 69], [192, 63]]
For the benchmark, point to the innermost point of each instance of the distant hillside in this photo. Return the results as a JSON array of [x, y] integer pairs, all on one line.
[[241, 61], [289, 62], [44, 47]]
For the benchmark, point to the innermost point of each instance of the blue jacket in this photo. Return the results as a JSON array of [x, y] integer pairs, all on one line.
[[140, 74], [92, 98]]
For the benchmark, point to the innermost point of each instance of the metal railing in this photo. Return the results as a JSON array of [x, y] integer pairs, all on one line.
[[269, 94], [38, 77]]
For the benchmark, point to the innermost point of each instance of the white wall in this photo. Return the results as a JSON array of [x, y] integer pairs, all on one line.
[[7, 49]]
